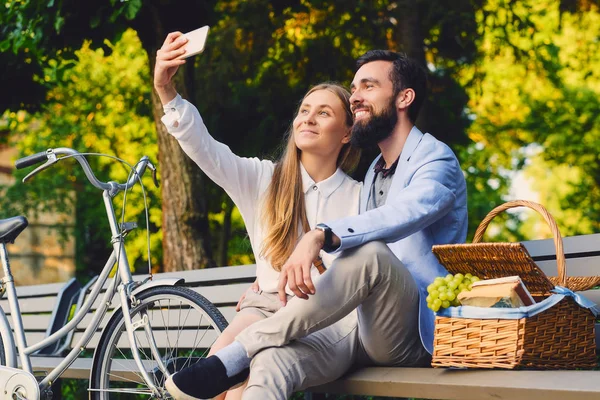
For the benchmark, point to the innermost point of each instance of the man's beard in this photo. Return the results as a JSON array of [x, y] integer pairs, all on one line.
[[374, 129]]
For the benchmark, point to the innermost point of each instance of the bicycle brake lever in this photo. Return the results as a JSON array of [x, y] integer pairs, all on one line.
[[154, 171], [52, 159]]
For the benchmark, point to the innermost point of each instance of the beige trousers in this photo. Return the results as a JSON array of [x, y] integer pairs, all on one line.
[[314, 341]]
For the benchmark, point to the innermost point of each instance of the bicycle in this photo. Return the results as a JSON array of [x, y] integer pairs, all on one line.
[[139, 322]]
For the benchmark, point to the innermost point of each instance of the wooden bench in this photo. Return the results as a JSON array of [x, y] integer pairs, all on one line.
[[44, 310], [583, 259], [224, 286]]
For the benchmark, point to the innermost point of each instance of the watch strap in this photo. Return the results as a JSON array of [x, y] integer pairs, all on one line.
[[328, 242]]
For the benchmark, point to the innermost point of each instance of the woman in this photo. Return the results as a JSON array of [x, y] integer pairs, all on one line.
[[278, 201]]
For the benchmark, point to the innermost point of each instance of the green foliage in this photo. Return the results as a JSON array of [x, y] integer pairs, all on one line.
[[536, 84], [31, 31], [101, 103], [261, 58], [35, 26]]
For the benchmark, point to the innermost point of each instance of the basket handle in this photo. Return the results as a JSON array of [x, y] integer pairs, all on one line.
[[558, 243]]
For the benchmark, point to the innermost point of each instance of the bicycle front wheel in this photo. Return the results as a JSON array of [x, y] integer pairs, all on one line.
[[183, 326]]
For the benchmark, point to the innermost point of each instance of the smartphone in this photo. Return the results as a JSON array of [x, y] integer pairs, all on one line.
[[196, 42]]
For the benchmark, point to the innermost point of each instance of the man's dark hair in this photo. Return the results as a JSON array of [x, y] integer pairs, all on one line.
[[405, 73]]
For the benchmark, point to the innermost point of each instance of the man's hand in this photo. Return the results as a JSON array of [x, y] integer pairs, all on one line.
[[167, 64], [255, 288], [295, 273]]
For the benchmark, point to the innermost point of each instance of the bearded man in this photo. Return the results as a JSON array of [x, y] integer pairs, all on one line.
[[369, 307]]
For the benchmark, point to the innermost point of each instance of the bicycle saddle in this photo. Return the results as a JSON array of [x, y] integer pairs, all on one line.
[[10, 228]]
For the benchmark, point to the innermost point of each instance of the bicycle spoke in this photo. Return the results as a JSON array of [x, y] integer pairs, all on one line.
[[123, 378], [194, 348], [179, 328], [139, 375], [166, 324], [122, 390]]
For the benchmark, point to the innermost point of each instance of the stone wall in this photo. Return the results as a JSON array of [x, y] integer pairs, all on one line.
[[40, 254]]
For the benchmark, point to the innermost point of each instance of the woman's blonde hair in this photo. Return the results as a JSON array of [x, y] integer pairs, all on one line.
[[284, 211]]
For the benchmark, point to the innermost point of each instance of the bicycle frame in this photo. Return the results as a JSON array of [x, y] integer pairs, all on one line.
[[123, 284]]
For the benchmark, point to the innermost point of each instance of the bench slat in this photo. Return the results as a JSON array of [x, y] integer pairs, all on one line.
[[571, 244], [432, 383], [37, 322], [186, 338], [195, 277], [427, 382], [228, 312], [34, 337], [228, 294], [215, 294], [204, 276], [588, 266], [80, 369], [48, 289], [32, 305]]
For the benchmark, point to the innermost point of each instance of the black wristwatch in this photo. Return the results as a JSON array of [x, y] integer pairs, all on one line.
[[328, 243]]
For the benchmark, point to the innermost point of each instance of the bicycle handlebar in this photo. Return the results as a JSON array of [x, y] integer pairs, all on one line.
[[31, 160], [50, 154]]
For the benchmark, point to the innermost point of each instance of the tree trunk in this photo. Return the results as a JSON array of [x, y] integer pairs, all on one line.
[[410, 39], [225, 233], [186, 234]]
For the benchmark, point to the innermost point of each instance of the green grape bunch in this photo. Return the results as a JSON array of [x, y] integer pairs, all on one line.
[[443, 292]]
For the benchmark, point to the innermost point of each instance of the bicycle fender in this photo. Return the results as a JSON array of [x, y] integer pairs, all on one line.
[[10, 349], [158, 282]]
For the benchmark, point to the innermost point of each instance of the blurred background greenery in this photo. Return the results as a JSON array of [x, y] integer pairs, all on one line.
[[514, 91]]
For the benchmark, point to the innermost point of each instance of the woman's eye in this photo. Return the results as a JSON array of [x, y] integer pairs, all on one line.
[[303, 111], [324, 113]]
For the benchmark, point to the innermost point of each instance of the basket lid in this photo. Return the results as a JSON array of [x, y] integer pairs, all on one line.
[[494, 260]]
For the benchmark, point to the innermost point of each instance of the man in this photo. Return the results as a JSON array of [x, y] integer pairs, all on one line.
[[414, 197]]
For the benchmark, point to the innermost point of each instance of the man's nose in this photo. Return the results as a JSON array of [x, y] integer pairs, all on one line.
[[355, 98]]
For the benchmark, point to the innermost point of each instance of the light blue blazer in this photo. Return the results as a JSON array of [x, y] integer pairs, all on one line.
[[426, 205]]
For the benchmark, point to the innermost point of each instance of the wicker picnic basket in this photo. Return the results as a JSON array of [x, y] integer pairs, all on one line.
[[561, 337]]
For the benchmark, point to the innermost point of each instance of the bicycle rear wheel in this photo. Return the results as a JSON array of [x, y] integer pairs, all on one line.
[[184, 326], [2, 355]]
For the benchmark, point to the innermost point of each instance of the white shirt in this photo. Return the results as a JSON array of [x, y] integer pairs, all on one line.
[[246, 180]]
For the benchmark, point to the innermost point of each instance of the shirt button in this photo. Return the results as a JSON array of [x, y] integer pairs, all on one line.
[[381, 192], [315, 187], [350, 230]]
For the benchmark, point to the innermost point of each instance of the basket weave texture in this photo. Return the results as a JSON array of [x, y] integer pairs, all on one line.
[[561, 337]]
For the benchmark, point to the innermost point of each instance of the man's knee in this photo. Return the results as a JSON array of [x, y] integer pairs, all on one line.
[[273, 374], [372, 255]]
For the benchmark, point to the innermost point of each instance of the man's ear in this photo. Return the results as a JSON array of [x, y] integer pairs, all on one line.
[[405, 98], [347, 136]]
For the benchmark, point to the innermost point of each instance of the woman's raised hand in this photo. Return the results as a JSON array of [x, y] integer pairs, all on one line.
[[167, 63]]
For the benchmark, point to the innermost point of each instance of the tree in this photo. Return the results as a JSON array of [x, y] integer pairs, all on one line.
[[261, 58], [535, 86], [35, 29], [112, 119]]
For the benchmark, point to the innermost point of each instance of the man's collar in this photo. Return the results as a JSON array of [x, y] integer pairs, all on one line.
[[413, 139], [326, 187], [380, 167]]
